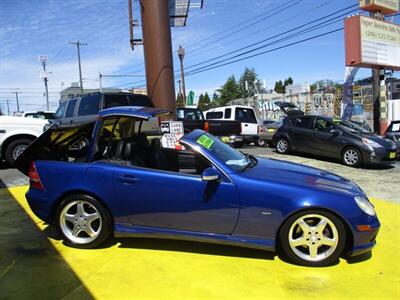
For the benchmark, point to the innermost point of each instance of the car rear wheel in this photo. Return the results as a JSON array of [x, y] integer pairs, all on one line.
[[313, 238], [15, 149], [282, 146], [83, 222], [261, 143], [351, 157]]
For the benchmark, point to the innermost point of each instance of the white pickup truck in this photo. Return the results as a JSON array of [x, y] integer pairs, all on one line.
[[244, 114], [16, 134]]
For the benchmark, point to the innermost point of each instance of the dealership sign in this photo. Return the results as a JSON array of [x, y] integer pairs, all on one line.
[[372, 43], [385, 6]]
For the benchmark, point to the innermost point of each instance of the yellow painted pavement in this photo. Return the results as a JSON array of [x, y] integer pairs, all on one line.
[[157, 269]]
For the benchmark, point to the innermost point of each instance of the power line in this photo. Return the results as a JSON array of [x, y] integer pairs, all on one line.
[[276, 35], [286, 6], [240, 38], [264, 52]]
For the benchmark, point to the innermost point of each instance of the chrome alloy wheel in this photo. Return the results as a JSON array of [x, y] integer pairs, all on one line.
[[80, 222], [17, 151], [282, 146], [313, 237], [351, 157]]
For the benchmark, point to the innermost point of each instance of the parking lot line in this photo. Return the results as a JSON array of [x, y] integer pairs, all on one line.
[[160, 269]]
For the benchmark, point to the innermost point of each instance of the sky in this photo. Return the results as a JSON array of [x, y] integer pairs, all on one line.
[[29, 28]]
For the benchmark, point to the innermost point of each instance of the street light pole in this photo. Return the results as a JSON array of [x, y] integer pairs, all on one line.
[[16, 98], [78, 44], [43, 59], [181, 54]]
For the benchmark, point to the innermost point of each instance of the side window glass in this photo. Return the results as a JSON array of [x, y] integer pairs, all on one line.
[[115, 100], [89, 105], [228, 113], [61, 110], [304, 122], [323, 125], [70, 108]]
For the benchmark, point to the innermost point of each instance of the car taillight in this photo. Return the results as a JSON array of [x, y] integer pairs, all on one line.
[[34, 178], [206, 126]]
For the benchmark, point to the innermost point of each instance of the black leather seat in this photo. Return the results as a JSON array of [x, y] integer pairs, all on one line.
[[157, 159]]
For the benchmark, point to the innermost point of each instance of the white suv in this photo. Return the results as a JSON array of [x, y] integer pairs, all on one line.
[[16, 134]]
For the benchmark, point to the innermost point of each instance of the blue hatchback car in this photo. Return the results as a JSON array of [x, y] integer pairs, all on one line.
[[108, 178]]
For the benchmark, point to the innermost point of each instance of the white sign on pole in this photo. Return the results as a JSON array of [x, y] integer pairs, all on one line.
[[173, 131], [43, 58]]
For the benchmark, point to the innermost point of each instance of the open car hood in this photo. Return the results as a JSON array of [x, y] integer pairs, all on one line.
[[53, 144]]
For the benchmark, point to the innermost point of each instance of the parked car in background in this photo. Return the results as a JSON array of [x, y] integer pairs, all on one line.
[[393, 133], [245, 115], [86, 108], [45, 115], [267, 132], [227, 130], [16, 134], [335, 138], [122, 185]]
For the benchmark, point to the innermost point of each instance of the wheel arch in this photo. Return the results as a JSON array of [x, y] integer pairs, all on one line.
[[13, 138], [77, 192], [346, 224]]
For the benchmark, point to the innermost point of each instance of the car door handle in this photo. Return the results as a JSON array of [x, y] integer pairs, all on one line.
[[128, 179]]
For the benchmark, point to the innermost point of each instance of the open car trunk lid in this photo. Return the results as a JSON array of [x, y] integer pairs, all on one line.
[[53, 144], [289, 108]]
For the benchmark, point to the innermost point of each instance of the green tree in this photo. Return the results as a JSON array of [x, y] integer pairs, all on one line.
[[253, 83], [229, 91], [204, 102], [288, 81], [180, 102], [279, 87]]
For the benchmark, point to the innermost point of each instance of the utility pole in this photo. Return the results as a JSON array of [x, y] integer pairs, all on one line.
[[181, 54], [16, 98], [43, 60], [8, 107], [377, 77], [158, 53], [78, 44]]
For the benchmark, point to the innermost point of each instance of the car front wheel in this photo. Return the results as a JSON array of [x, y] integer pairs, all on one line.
[[351, 157], [313, 238], [282, 146], [83, 222]]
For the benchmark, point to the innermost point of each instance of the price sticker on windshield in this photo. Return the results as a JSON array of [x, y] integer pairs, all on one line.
[[205, 141]]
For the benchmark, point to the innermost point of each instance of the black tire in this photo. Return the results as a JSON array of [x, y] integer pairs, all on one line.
[[302, 253], [261, 143], [237, 145], [282, 146], [65, 228], [13, 148], [351, 157]]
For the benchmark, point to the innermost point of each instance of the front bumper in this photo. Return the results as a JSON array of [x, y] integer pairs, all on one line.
[[364, 241], [381, 156]]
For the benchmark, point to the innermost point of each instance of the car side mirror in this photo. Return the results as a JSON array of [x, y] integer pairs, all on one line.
[[210, 174], [334, 131]]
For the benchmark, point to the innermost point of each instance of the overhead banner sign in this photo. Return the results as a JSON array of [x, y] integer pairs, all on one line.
[[385, 6], [372, 43]]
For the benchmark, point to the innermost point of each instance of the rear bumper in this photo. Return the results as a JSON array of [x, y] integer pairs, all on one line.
[[39, 204]]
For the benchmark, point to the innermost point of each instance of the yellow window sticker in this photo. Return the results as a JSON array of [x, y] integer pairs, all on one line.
[[205, 141]]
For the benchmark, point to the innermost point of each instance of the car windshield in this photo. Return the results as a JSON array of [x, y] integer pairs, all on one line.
[[235, 160], [350, 126]]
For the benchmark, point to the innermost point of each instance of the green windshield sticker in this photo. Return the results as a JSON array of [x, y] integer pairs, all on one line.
[[205, 141]]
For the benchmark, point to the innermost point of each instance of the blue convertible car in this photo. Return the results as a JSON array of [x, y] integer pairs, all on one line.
[[109, 178]]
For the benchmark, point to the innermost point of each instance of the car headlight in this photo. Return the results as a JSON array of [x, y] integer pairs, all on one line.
[[371, 143], [365, 205]]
